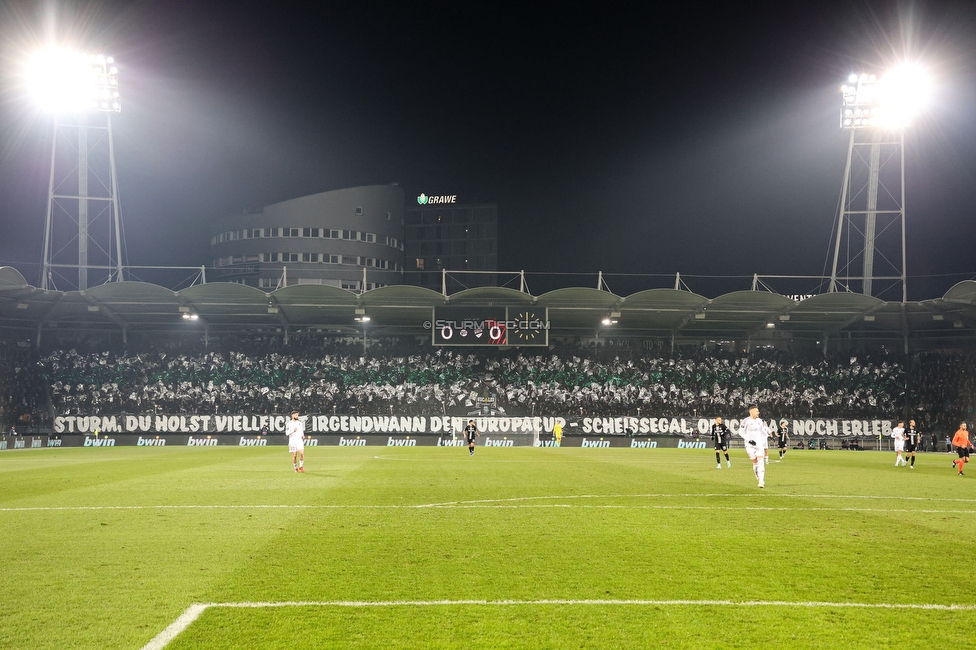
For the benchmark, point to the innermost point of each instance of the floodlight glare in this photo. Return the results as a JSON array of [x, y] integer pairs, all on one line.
[[64, 81], [891, 102]]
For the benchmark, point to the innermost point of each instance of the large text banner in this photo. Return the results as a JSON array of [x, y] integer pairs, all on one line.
[[440, 424]]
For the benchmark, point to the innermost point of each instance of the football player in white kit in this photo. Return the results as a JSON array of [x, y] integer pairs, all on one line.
[[898, 433], [755, 432], [295, 430]]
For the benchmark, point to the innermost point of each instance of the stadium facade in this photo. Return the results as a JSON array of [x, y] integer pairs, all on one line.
[[349, 239], [442, 235]]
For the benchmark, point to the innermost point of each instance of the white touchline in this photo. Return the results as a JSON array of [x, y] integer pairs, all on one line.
[[194, 611], [173, 629], [519, 502]]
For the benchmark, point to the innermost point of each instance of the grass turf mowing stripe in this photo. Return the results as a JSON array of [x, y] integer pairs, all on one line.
[[551, 506], [194, 611]]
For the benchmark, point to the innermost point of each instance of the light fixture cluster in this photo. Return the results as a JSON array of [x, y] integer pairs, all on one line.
[[61, 80], [889, 102]]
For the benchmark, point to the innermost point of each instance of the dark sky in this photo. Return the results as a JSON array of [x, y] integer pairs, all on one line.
[[659, 137]]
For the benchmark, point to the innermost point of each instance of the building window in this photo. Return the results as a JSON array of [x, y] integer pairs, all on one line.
[[310, 257], [359, 210], [420, 264], [350, 286], [335, 234], [307, 232], [333, 259], [371, 237]]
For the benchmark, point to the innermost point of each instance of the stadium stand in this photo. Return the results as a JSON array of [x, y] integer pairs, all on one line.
[[132, 347], [406, 377]]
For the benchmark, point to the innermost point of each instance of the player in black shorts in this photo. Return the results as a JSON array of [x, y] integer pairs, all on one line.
[[912, 440], [721, 435], [783, 438], [470, 433]]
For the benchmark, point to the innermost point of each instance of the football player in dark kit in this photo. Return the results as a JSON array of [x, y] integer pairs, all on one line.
[[721, 436], [912, 441], [470, 433], [783, 438]]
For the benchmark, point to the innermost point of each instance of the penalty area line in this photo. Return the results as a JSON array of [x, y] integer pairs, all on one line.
[[194, 611]]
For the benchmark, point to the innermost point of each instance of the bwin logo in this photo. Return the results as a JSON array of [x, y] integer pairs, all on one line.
[[643, 444], [691, 444], [422, 199], [350, 442], [499, 443], [595, 443]]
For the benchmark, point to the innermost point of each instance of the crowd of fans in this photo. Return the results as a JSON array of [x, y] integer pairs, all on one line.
[[22, 395], [411, 379]]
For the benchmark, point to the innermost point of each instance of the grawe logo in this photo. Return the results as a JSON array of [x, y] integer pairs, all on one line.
[[423, 199]]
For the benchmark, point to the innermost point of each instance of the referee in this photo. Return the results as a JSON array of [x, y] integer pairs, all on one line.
[[962, 444]]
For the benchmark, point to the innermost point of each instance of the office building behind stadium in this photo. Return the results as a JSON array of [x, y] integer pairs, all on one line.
[[443, 235], [350, 239]]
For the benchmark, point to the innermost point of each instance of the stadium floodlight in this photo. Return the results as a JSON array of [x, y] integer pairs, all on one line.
[[78, 88], [64, 81], [891, 102], [877, 111]]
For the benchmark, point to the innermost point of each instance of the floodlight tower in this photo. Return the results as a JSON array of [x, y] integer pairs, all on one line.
[[871, 217], [82, 91]]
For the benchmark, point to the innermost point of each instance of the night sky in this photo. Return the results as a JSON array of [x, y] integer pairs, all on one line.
[[623, 137]]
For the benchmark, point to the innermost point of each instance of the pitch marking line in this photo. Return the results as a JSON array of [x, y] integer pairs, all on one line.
[[694, 495], [194, 611], [519, 502]]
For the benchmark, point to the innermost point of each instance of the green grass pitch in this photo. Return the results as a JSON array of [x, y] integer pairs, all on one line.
[[107, 547]]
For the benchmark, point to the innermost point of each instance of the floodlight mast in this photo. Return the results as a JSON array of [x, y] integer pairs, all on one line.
[[876, 112], [75, 87]]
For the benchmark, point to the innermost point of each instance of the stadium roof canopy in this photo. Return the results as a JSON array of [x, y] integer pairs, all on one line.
[[220, 308]]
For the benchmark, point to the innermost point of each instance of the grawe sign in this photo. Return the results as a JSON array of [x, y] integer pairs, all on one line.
[[423, 199]]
